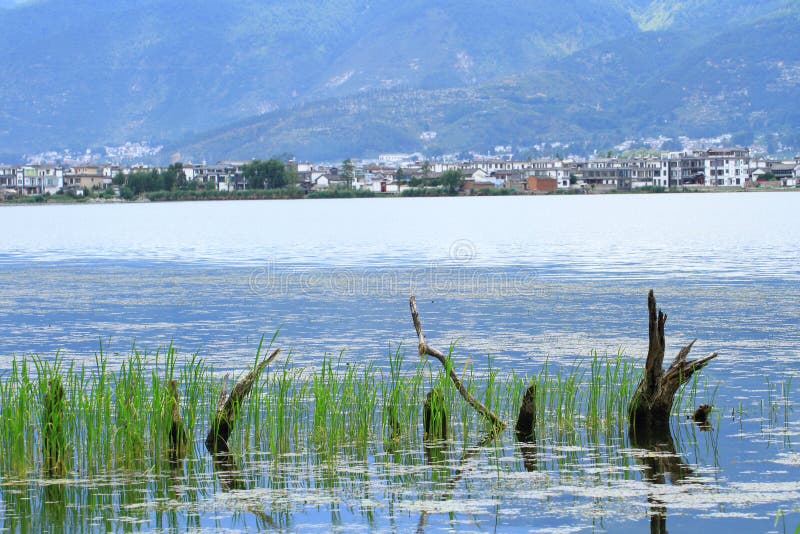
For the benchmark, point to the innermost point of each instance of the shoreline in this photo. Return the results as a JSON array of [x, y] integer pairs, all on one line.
[[38, 200]]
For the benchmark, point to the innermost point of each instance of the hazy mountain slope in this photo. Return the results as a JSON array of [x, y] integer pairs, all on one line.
[[85, 72], [376, 72], [648, 84], [748, 82], [707, 16], [422, 44], [97, 71]]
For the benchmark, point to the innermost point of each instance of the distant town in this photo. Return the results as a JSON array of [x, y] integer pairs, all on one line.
[[712, 168]]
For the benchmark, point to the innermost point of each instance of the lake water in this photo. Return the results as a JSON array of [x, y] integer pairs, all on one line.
[[527, 279]]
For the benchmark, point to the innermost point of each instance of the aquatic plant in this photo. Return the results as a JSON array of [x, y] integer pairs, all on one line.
[[108, 418], [333, 429]]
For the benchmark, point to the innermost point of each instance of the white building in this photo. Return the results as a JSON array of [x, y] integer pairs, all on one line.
[[321, 182], [190, 171], [32, 179], [552, 168], [397, 159], [726, 167], [49, 179]]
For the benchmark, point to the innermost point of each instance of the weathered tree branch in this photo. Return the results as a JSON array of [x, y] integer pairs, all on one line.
[[222, 424], [424, 349], [652, 402]]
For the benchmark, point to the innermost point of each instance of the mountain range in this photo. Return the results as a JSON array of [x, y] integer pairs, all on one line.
[[336, 78]]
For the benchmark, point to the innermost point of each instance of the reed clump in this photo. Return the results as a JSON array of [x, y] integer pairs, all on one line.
[[155, 408]]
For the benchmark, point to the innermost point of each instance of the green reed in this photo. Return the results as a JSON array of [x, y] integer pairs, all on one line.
[[110, 419], [593, 395], [284, 399], [16, 417], [52, 417], [400, 393], [131, 391], [95, 418], [347, 429]]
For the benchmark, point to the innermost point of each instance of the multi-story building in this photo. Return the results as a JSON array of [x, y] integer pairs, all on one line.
[[560, 170], [86, 176], [680, 168], [49, 179], [224, 175], [8, 178], [32, 179], [644, 172], [609, 172], [726, 166], [553, 168]]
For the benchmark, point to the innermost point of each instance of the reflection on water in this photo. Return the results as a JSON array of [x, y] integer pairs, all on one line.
[[601, 481], [314, 449], [529, 280]]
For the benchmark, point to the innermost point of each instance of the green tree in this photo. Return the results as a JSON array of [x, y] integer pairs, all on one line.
[[126, 192], [399, 175], [169, 178], [292, 178], [348, 172], [145, 181], [270, 174], [426, 170], [453, 180], [180, 175], [276, 174]]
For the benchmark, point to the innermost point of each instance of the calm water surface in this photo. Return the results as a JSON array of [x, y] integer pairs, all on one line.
[[527, 279]]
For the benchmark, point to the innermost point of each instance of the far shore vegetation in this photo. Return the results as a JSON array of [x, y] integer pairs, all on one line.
[[274, 179]]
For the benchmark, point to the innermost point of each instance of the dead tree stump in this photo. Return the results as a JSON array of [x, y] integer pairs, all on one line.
[[526, 429], [700, 415], [526, 420], [650, 407], [177, 430], [222, 423], [434, 415]]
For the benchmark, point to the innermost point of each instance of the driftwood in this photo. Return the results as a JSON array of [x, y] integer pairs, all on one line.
[[652, 401], [178, 436], [222, 424], [424, 349]]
